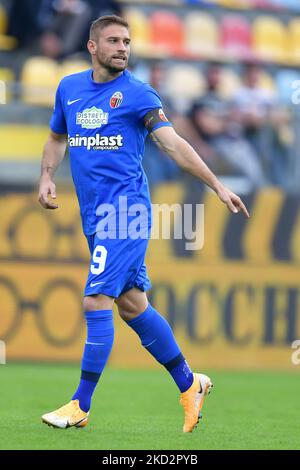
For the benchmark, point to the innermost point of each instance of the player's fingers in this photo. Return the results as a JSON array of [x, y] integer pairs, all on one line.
[[42, 200], [45, 203], [231, 206], [51, 205], [239, 205], [244, 209], [52, 191]]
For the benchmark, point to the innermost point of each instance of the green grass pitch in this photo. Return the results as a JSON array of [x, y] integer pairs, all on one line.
[[138, 409]]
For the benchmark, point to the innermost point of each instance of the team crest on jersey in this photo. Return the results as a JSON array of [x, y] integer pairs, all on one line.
[[116, 99], [91, 118]]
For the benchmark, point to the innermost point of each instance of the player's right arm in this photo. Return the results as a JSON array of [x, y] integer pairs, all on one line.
[[54, 151], [53, 155]]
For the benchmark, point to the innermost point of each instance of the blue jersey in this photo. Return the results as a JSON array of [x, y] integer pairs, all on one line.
[[106, 138]]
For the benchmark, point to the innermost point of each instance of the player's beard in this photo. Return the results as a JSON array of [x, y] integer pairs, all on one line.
[[112, 70]]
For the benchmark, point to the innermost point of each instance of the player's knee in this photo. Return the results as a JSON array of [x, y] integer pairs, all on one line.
[[126, 314], [122, 314], [131, 304], [97, 302], [128, 310]]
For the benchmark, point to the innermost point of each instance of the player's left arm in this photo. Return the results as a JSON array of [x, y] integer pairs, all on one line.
[[185, 156]]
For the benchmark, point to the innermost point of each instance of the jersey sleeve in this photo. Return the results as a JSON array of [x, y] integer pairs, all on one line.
[[58, 121], [150, 110]]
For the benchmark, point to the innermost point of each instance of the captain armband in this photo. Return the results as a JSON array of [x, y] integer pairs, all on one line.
[[154, 117]]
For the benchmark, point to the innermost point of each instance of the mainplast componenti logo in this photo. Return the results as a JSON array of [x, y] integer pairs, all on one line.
[[96, 142], [91, 118]]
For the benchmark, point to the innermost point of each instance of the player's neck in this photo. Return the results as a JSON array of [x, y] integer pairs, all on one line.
[[102, 75]]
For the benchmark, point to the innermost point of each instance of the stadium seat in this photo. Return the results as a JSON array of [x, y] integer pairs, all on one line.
[[3, 20], [201, 34], [70, 67], [185, 83], [7, 77], [266, 82], [269, 39], [229, 83], [238, 4], [39, 79], [286, 4], [166, 33], [236, 36], [294, 40], [6, 42], [262, 4], [291, 4], [139, 29]]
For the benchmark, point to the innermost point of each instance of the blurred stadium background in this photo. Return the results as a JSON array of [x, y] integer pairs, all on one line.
[[228, 72]]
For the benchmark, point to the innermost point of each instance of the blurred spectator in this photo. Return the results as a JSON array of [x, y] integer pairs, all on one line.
[[158, 166], [104, 7], [201, 127], [55, 28], [99, 8], [158, 78], [251, 98], [214, 130], [236, 152], [28, 19], [280, 139], [254, 103], [65, 33], [213, 79], [267, 126]]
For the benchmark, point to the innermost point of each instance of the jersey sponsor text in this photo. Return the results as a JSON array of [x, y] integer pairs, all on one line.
[[97, 142]]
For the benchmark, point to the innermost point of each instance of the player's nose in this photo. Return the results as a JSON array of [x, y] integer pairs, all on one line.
[[121, 47]]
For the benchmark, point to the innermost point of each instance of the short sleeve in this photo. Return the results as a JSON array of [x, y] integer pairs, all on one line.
[[147, 101], [58, 122]]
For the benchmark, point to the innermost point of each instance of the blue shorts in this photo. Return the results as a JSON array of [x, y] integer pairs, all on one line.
[[116, 266]]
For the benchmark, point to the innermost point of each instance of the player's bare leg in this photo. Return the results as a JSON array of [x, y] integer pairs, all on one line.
[[157, 337]]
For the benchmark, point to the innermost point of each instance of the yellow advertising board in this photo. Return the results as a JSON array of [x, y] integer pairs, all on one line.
[[233, 304]]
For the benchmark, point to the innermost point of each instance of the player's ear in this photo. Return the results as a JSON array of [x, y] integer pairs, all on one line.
[[92, 47]]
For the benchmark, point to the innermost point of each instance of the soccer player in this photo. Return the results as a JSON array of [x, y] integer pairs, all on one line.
[[104, 114]]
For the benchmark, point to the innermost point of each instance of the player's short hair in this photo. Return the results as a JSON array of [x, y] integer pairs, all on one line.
[[103, 22]]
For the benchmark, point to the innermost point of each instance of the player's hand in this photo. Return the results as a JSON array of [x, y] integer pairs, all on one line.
[[47, 188], [232, 201]]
